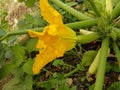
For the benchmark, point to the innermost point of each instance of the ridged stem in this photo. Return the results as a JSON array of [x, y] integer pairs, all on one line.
[[69, 9], [102, 64]]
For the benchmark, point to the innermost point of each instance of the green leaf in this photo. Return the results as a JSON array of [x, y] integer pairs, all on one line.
[[46, 85], [115, 86], [2, 32], [31, 45], [18, 73], [92, 86], [80, 67], [88, 57], [30, 3], [9, 53], [58, 62], [2, 51], [26, 23], [27, 67], [4, 22], [28, 82], [73, 88], [21, 0], [115, 68], [23, 25], [14, 84], [108, 67], [19, 52], [6, 69], [28, 18], [38, 21]]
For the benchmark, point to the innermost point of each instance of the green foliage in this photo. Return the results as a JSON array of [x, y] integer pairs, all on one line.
[[2, 32], [29, 3], [58, 83], [14, 84], [4, 22], [58, 62], [19, 52], [30, 22], [115, 68], [29, 82], [27, 67], [31, 45], [108, 67], [17, 59], [114, 86], [88, 57], [6, 69]]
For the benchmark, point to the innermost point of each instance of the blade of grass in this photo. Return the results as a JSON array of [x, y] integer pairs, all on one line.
[[74, 12], [102, 65]]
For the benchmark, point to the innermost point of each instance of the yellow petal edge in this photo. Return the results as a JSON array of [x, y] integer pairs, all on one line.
[[55, 39]]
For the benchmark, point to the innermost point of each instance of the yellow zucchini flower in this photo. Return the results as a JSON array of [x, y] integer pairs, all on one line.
[[55, 39]]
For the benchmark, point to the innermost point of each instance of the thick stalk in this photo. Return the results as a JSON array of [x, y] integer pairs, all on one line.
[[74, 12], [83, 39], [102, 65], [94, 8], [117, 52], [116, 11], [82, 24]]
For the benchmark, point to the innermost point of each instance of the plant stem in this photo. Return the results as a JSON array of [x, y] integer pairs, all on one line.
[[102, 64], [117, 52], [79, 67], [116, 11], [83, 39], [94, 8], [74, 12], [72, 72], [82, 24], [18, 33]]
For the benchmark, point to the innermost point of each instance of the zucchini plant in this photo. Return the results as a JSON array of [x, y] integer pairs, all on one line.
[[106, 21]]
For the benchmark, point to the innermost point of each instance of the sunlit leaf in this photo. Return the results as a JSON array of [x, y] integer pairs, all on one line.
[[19, 52], [6, 69], [58, 62], [30, 3], [28, 82], [31, 45], [27, 67], [88, 57], [14, 84]]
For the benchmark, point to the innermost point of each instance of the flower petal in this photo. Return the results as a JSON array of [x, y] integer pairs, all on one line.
[[44, 57], [50, 14], [34, 34]]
